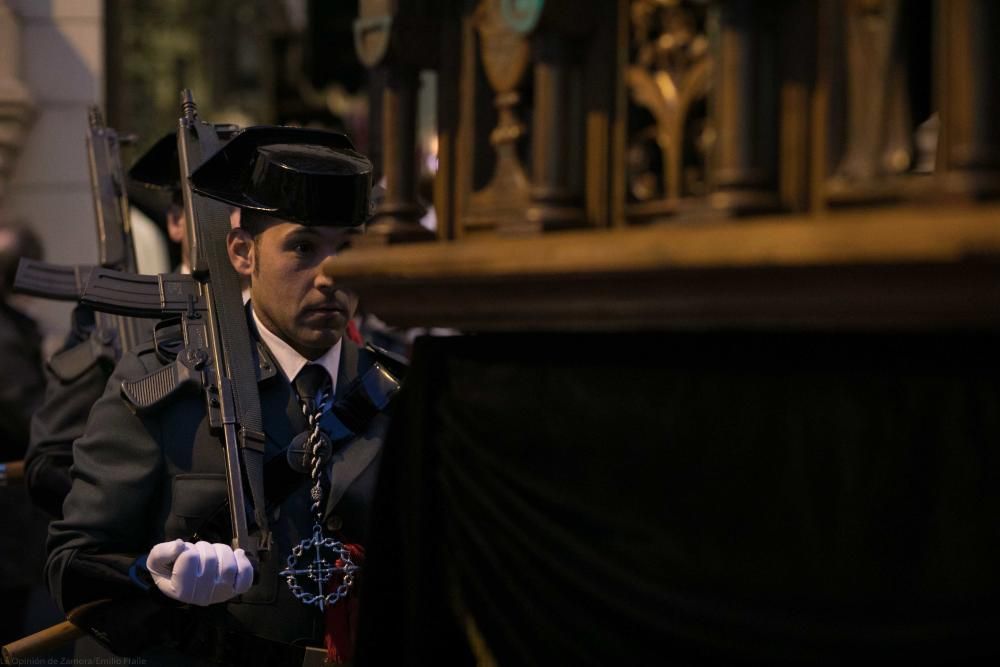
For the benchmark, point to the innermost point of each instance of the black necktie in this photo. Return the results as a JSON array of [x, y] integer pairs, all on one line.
[[312, 383]]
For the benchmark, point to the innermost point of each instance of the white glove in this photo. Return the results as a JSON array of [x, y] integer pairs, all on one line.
[[201, 573]]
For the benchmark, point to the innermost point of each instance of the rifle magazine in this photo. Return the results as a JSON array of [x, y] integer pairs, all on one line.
[[50, 281]]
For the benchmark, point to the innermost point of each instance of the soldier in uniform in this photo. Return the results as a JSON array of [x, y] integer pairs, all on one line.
[[21, 390], [79, 370], [146, 522]]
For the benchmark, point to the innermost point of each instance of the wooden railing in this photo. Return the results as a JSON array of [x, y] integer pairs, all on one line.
[[655, 164]]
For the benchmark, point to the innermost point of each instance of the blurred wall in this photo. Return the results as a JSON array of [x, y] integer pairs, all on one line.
[[62, 66]]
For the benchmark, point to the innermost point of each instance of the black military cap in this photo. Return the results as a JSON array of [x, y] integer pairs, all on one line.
[[159, 167], [312, 177]]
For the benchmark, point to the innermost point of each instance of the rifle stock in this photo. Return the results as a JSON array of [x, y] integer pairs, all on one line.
[[11, 472], [45, 642], [40, 643]]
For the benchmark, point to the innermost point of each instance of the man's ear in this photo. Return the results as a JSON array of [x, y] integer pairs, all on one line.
[[239, 243]]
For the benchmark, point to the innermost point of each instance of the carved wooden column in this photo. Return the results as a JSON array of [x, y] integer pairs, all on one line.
[[16, 104], [969, 85], [745, 107], [557, 138], [400, 210], [388, 35]]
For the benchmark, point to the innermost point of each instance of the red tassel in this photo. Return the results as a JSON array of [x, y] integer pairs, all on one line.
[[353, 333], [342, 618]]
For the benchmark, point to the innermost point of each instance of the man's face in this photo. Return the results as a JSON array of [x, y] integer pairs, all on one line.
[[291, 296], [177, 234]]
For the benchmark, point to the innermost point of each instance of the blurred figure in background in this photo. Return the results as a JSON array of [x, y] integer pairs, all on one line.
[[21, 525]]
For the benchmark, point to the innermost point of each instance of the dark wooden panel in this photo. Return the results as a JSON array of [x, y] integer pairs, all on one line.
[[897, 267]]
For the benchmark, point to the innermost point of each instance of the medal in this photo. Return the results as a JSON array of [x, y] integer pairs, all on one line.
[[329, 558], [308, 453]]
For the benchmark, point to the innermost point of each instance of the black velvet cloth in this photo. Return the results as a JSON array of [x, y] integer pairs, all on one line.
[[690, 498]]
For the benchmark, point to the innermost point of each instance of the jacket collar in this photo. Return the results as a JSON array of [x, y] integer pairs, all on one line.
[[279, 393], [351, 461], [288, 359]]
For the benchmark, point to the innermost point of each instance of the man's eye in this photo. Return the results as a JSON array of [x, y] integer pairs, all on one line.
[[303, 248]]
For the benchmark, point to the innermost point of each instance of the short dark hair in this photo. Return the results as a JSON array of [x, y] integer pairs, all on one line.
[[255, 222]]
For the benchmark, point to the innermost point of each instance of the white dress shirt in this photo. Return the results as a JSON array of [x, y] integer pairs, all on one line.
[[291, 362]]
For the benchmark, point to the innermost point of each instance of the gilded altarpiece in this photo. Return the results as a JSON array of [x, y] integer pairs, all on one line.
[[667, 77]]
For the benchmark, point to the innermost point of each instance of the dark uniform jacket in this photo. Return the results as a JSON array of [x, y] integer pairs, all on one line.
[[141, 479], [75, 378], [23, 385], [21, 389]]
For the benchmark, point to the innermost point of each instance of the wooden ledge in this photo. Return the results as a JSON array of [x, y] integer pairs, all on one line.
[[875, 267]]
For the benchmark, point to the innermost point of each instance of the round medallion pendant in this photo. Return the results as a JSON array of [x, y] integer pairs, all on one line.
[[308, 579]]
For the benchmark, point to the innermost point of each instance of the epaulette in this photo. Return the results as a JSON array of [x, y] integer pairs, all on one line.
[[397, 364], [367, 395], [86, 346], [69, 364]]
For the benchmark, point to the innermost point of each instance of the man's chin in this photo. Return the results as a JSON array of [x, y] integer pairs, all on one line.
[[322, 337], [323, 319], [321, 323]]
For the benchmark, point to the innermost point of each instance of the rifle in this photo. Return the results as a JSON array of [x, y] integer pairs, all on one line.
[[221, 343], [116, 249], [218, 356], [112, 334], [117, 331]]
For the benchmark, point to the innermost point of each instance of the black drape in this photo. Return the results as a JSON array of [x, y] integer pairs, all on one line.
[[690, 498]]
